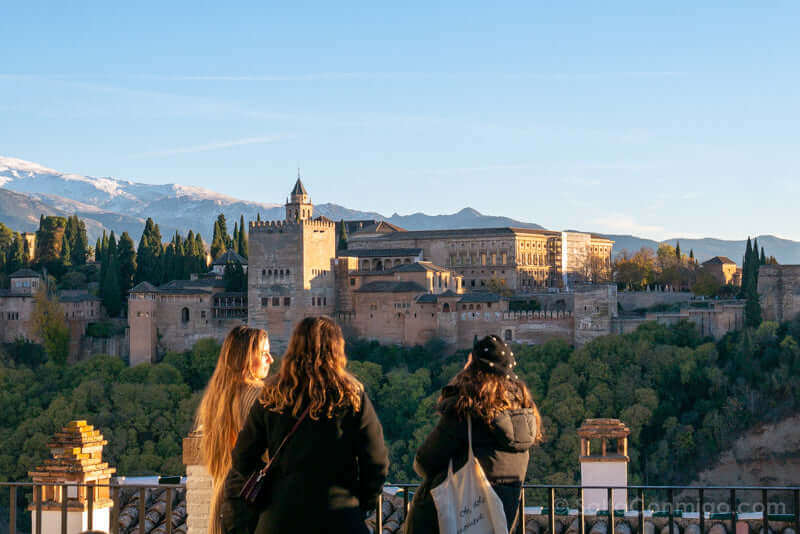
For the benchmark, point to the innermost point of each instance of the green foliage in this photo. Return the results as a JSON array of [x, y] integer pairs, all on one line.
[[144, 412], [51, 327], [242, 245], [234, 277], [149, 255]]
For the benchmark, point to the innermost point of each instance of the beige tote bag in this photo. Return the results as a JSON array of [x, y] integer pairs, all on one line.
[[465, 501]]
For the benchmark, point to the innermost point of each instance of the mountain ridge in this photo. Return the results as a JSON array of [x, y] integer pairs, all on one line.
[[29, 189]]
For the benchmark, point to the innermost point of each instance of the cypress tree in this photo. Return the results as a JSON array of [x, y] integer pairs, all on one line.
[[200, 251], [258, 217], [678, 250], [16, 258], [763, 260], [79, 243], [691, 255], [111, 292], [218, 245], [243, 244], [746, 268], [126, 255], [98, 250], [343, 236], [66, 251]]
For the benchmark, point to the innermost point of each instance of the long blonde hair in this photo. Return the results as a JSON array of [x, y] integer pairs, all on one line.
[[230, 394], [313, 373]]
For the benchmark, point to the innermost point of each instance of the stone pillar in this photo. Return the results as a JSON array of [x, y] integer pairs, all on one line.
[[77, 452], [604, 467], [199, 488]]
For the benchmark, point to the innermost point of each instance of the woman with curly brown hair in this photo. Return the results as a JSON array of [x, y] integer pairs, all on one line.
[[334, 466], [505, 424], [237, 381]]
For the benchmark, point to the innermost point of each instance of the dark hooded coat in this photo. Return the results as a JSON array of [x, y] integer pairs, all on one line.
[[500, 447]]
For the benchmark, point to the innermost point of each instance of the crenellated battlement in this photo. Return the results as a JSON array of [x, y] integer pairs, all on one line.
[[288, 226]]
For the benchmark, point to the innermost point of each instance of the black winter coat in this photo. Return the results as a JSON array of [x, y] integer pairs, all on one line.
[[501, 448], [329, 472]]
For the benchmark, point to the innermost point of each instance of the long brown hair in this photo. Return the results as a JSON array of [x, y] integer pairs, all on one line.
[[313, 373], [227, 400], [485, 394]]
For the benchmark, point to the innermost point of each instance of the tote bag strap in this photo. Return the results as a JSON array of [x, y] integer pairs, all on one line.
[[470, 454]]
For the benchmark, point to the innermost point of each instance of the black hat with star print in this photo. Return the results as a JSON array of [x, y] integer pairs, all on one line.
[[493, 355]]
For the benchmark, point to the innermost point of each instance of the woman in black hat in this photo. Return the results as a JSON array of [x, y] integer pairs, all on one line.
[[505, 424]]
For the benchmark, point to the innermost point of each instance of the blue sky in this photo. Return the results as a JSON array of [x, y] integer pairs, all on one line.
[[625, 117]]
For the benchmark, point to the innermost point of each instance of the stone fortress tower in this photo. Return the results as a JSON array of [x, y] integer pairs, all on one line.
[[290, 268]]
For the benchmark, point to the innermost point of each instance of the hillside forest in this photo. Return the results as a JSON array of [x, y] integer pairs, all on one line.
[[684, 398]]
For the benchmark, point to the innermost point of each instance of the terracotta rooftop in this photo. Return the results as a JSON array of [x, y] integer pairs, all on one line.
[[719, 260], [25, 273], [381, 252], [603, 428], [391, 286]]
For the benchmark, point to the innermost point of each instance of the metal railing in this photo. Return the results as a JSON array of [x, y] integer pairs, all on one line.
[[37, 502], [647, 501], [668, 508]]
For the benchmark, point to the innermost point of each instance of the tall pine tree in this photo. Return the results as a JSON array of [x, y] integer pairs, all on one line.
[[235, 241], [243, 244], [126, 255], [343, 236], [218, 245], [678, 250]]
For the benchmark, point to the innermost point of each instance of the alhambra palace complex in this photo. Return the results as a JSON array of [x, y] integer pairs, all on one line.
[[402, 287]]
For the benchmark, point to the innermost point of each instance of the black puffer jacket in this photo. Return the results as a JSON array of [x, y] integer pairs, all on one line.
[[500, 447]]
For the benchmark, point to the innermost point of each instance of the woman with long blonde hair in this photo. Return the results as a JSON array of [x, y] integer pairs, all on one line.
[[237, 381], [335, 463], [505, 424]]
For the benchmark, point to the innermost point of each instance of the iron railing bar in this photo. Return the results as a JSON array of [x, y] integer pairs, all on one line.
[[641, 512], [611, 520], [169, 511], [796, 510], [37, 495], [115, 504], [671, 504], [12, 514], [701, 505], [552, 511], [733, 510], [522, 511], [142, 509], [581, 518], [765, 503], [379, 514], [90, 503], [64, 493]]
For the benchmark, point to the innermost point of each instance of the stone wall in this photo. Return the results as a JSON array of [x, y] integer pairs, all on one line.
[[199, 490], [640, 300], [594, 309], [779, 290], [291, 262]]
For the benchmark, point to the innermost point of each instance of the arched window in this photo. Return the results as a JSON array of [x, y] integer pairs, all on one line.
[[446, 307], [507, 335], [185, 315]]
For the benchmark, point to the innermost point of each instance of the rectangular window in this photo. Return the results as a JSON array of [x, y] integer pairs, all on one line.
[[276, 301], [287, 301], [352, 281]]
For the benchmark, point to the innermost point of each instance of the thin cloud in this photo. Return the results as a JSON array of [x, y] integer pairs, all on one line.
[[221, 145], [625, 224]]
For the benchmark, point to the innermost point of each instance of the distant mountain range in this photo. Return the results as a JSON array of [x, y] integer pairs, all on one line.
[[28, 190]]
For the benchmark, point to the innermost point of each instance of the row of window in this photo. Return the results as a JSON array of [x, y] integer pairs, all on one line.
[[319, 301], [319, 272], [483, 259], [12, 316], [277, 273], [276, 301]]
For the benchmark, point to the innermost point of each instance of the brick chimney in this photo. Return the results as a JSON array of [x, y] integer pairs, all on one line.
[[77, 458]]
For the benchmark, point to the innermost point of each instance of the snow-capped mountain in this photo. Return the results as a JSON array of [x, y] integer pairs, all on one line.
[[123, 205]]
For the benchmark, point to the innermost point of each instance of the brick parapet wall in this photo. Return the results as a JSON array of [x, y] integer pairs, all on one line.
[[199, 490]]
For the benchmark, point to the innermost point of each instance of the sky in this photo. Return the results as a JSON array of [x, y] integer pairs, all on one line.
[[671, 120]]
